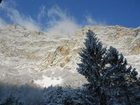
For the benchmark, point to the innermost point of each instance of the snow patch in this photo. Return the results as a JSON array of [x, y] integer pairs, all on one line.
[[48, 81]]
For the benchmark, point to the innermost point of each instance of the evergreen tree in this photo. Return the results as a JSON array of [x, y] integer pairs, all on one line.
[[108, 73], [120, 79], [92, 57]]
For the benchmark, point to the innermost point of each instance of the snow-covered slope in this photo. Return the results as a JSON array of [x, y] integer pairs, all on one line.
[[43, 59]]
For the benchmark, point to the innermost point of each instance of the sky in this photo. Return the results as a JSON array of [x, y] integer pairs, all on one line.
[[45, 14]]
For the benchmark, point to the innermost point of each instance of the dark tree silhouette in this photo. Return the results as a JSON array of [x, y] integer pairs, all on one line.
[[67, 96], [0, 1], [108, 73]]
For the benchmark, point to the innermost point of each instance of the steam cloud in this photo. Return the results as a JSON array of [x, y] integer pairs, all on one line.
[[53, 20]]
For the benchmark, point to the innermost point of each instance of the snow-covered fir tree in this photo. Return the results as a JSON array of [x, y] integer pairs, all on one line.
[[92, 57], [108, 74]]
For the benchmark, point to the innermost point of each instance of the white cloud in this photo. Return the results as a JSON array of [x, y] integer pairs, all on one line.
[[42, 13], [22, 20], [17, 18], [63, 28], [91, 21], [55, 21], [2, 22], [56, 12], [60, 23]]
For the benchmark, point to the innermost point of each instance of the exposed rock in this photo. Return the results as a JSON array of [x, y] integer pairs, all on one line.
[[135, 45]]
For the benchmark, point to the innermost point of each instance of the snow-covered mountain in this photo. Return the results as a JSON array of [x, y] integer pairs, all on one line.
[[44, 59]]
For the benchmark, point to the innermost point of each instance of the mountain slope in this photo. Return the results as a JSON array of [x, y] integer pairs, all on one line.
[[44, 59]]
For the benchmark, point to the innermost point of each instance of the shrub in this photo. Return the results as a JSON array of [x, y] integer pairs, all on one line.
[[67, 96]]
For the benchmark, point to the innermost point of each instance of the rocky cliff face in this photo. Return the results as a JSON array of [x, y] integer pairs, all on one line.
[[41, 59]]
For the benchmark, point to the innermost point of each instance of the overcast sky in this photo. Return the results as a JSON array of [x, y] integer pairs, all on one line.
[[44, 13]]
